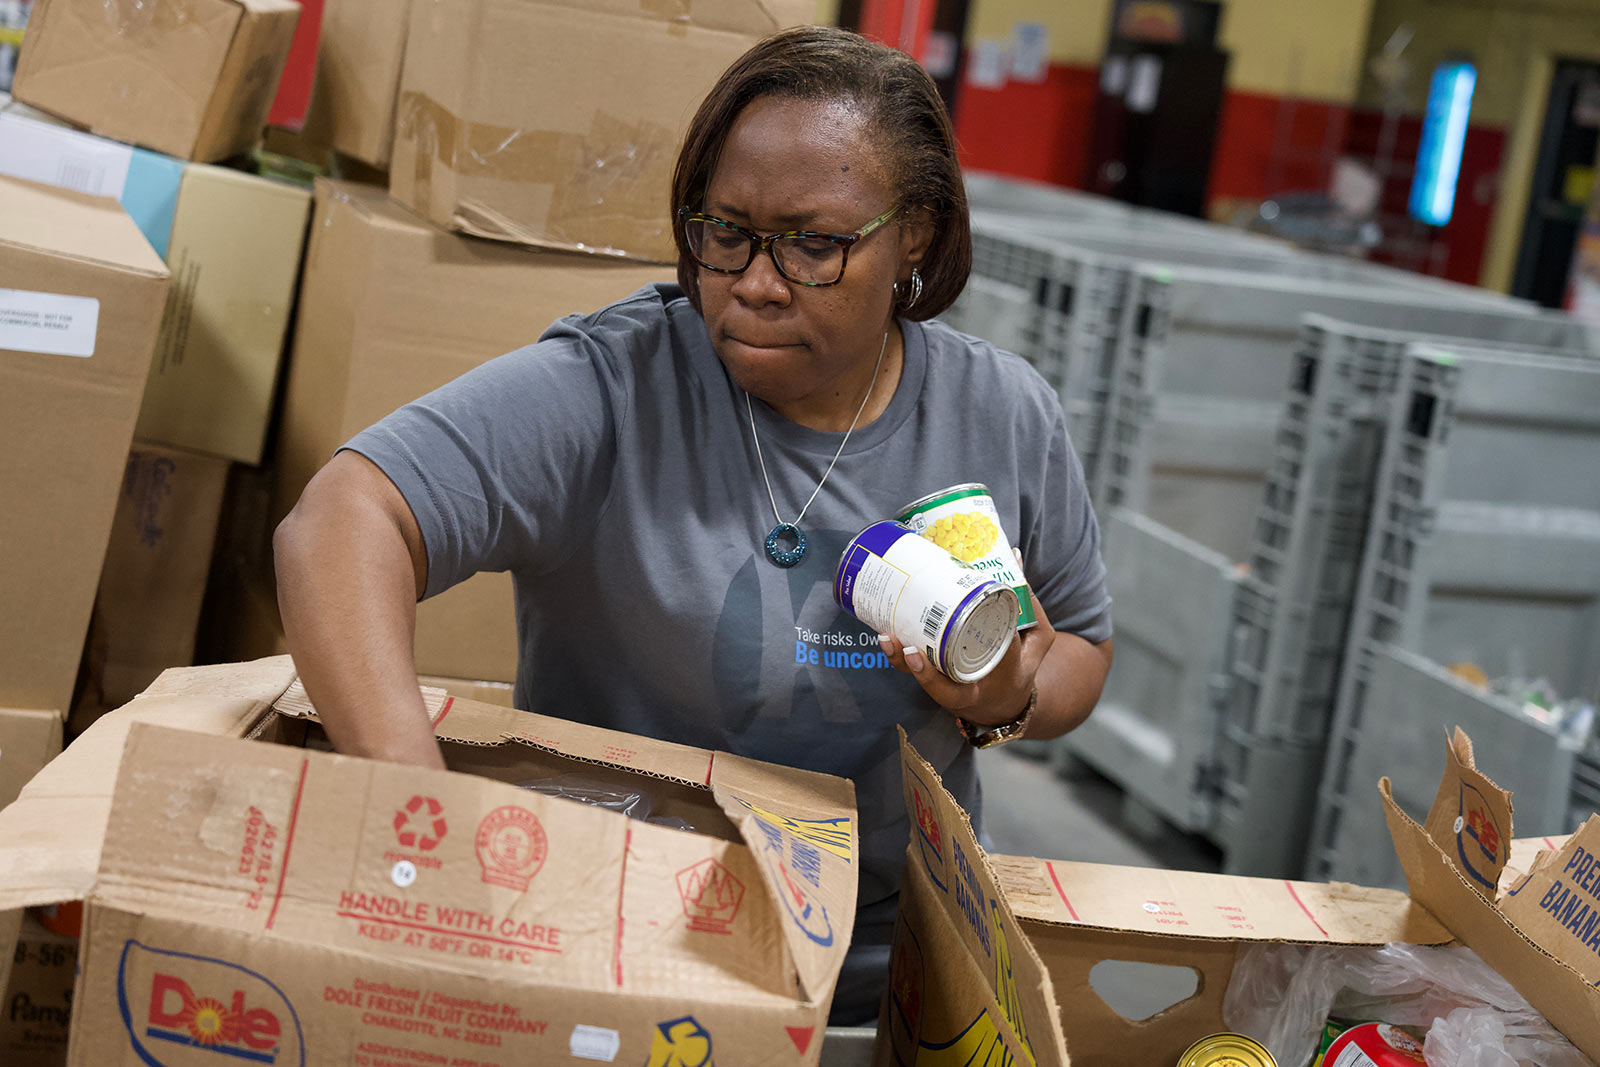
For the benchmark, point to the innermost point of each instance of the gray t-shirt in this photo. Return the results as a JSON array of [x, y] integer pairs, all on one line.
[[610, 468]]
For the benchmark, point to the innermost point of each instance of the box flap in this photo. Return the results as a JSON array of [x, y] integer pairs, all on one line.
[[91, 228], [1471, 817], [1456, 897], [801, 827], [944, 847], [1196, 904], [1557, 903], [50, 839], [455, 870]]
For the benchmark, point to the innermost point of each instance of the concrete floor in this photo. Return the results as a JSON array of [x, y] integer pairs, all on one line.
[[1031, 811]]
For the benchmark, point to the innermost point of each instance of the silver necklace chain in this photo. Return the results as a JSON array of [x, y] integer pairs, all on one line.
[[760, 459]]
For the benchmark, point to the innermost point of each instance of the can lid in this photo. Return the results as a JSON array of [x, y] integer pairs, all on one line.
[[943, 496], [1227, 1050], [983, 631]]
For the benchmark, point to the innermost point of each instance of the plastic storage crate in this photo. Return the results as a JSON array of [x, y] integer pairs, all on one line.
[[1153, 731], [1512, 585], [1200, 364], [1412, 704]]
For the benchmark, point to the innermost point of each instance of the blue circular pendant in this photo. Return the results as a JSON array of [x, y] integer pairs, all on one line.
[[786, 557]]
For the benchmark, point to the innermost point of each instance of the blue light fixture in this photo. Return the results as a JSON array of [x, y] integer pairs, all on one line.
[[1444, 133]]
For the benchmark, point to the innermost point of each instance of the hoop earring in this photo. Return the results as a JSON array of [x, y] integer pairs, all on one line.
[[915, 287]]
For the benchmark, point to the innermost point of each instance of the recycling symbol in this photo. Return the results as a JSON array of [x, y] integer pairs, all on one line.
[[420, 824]]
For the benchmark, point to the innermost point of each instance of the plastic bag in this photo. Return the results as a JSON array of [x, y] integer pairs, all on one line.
[[1282, 994], [628, 796]]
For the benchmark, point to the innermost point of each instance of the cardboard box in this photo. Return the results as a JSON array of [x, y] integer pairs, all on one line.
[[346, 910], [239, 617], [576, 150], [193, 81], [390, 309], [358, 77], [233, 243], [37, 147], [154, 577], [992, 955], [29, 739], [1536, 922], [235, 259], [499, 693], [81, 294], [37, 1010]]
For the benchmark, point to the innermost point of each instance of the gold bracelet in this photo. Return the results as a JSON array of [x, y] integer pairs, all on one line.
[[989, 736]]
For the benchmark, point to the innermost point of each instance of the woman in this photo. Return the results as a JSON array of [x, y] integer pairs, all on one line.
[[627, 470]]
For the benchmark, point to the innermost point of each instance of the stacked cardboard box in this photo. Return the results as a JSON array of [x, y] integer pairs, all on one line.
[[81, 295], [193, 81]]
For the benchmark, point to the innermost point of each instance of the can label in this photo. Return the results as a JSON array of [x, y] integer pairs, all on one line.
[[964, 522], [904, 585], [1375, 1045]]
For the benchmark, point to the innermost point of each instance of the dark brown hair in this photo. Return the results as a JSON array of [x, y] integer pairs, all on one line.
[[905, 114]]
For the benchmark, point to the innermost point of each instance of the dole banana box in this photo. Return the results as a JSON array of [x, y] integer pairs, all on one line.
[[992, 955], [1530, 908], [252, 896]]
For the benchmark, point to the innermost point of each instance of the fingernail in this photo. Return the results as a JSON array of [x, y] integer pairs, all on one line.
[[913, 659]]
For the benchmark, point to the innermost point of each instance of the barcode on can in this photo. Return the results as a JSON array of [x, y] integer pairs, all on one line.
[[933, 620]]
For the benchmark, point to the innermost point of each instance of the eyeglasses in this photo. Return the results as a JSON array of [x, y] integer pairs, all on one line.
[[804, 257]]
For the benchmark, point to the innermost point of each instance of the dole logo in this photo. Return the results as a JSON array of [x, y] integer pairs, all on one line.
[[930, 836], [180, 1009], [420, 824], [1478, 839]]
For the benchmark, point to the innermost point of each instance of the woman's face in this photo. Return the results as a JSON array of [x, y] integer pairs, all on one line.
[[806, 165]]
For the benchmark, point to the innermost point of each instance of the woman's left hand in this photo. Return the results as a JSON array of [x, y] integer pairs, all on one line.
[[996, 698]]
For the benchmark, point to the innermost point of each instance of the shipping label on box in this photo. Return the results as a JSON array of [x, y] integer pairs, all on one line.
[[343, 910]]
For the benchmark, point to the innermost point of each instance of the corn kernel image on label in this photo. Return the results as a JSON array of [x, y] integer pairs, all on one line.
[[966, 535], [964, 522]]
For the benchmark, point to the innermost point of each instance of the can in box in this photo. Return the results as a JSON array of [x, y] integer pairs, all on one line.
[[1227, 1050], [963, 521], [901, 584], [1374, 1045]]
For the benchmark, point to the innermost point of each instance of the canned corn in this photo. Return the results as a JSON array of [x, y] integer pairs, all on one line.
[[1227, 1050], [905, 585], [963, 521]]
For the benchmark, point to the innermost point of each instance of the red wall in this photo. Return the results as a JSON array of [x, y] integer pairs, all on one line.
[[1265, 144], [1038, 131]]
